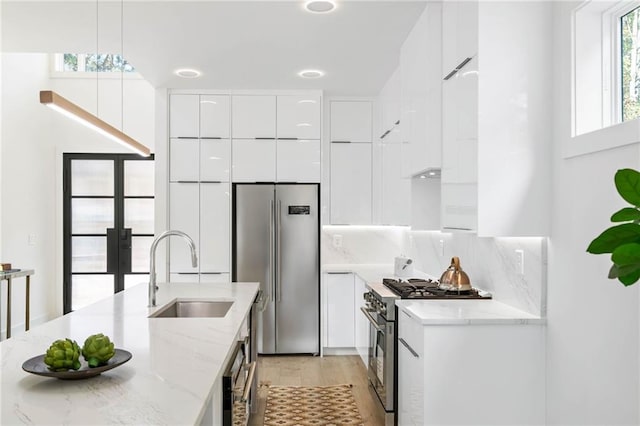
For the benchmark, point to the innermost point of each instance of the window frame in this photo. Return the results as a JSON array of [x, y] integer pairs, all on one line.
[[619, 12], [57, 70]]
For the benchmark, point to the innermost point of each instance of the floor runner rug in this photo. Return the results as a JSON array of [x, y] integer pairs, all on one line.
[[311, 406]]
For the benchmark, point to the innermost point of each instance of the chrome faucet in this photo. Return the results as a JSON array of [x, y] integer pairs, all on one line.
[[152, 269]]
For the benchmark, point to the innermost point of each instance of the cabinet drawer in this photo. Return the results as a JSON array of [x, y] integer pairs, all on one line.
[[411, 331]]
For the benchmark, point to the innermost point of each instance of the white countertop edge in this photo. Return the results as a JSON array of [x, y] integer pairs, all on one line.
[[466, 312]]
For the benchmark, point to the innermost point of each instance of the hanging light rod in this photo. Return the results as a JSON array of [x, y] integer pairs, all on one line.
[[73, 111]]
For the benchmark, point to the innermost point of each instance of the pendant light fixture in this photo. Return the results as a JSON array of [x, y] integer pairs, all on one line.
[[76, 113]]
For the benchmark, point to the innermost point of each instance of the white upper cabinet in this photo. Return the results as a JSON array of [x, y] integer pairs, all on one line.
[[184, 116], [215, 234], [351, 184], [184, 215], [214, 116], [396, 190], [253, 117], [389, 101], [254, 160], [183, 161], [421, 93], [298, 161], [215, 160], [459, 33], [351, 121], [298, 117]]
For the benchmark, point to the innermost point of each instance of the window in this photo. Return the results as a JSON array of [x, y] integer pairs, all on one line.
[[91, 62], [629, 63]]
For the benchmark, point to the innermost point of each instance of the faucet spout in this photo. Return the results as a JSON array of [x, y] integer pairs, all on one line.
[[152, 255]]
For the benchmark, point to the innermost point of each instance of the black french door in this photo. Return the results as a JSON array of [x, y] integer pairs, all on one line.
[[108, 221]]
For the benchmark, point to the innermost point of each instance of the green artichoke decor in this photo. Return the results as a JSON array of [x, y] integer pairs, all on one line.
[[97, 350], [63, 355]]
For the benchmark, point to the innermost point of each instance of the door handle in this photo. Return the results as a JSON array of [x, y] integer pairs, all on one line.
[[249, 382], [406, 345], [279, 253], [373, 322], [271, 248]]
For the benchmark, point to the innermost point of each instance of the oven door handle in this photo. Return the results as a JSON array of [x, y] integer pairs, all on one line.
[[247, 384], [371, 319]]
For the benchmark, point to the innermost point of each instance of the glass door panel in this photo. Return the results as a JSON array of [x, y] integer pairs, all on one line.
[[108, 224]]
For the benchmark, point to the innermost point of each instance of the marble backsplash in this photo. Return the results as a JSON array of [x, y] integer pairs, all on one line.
[[490, 262]]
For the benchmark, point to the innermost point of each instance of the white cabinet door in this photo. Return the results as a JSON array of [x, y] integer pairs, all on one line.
[[361, 322], [184, 277], [206, 277], [298, 161], [467, 31], [183, 216], [253, 160], [214, 227], [351, 121], [214, 116], [183, 162], [351, 184], [396, 190], [410, 371], [340, 315], [184, 116], [253, 117], [298, 117], [215, 160]]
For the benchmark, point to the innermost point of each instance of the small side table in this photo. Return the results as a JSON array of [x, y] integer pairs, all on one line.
[[8, 276]]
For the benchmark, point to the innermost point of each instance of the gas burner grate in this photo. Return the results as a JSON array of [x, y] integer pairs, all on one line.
[[417, 288]]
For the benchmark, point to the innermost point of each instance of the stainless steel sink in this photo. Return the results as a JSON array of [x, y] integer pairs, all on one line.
[[197, 308]]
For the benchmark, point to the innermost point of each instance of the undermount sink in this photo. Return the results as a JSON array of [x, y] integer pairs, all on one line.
[[185, 308]]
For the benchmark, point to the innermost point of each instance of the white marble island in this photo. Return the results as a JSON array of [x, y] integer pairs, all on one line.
[[169, 381]]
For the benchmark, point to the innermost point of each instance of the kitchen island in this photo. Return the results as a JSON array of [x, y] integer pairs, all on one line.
[[172, 378]]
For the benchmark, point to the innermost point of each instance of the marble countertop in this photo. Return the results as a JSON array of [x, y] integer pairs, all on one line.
[[438, 311], [461, 312], [169, 380]]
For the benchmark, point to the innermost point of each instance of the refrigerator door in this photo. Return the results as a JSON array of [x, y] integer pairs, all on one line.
[[297, 269], [254, 229]]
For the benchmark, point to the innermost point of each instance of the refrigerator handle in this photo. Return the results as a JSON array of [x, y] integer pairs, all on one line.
[[271, 284], [278, 254]]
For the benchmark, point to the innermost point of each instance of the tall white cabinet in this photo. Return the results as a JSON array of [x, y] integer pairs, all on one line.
[[199, 185], [351, 162]]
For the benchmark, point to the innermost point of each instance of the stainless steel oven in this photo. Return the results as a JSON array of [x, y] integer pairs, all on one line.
[[381, 367], [237, 382]]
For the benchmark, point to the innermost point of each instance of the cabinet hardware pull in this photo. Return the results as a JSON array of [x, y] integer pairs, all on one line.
[[338, 273], [458, 68], [187, 273], [459, 229], [372, 320], [247, 385], [212, 273], [211, 137], [187, 137], [397, 122], [385, 134], [288, 139], [267, 139], [187, 181], [406, 345], [210, 181], [340, 141]]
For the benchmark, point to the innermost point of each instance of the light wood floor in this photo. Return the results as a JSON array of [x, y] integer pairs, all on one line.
[[316, 371]]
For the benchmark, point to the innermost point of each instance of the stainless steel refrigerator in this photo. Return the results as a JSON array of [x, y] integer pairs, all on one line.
[[276, 241]]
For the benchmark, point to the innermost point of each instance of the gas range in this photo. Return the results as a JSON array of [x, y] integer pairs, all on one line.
[[418, 288]]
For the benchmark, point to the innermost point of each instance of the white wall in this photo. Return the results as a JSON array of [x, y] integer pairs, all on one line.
[[593, 331], [33, 141]]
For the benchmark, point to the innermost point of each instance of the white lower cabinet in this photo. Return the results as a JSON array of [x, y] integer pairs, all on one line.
[[298, 161], [463, 374], [351, 184], [410, 371], [339, 303], [361, 322]]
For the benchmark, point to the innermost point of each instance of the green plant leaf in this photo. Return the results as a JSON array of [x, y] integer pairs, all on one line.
[[630, 279], [626, 254], [626, 214], [628, 185], [618, 270], [613, 237]]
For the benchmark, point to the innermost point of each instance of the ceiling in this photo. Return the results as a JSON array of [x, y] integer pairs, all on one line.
[[236, 44]]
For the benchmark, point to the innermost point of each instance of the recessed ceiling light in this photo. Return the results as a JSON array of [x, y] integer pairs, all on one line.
[[311, 73], [320, 6], [188, 73]]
